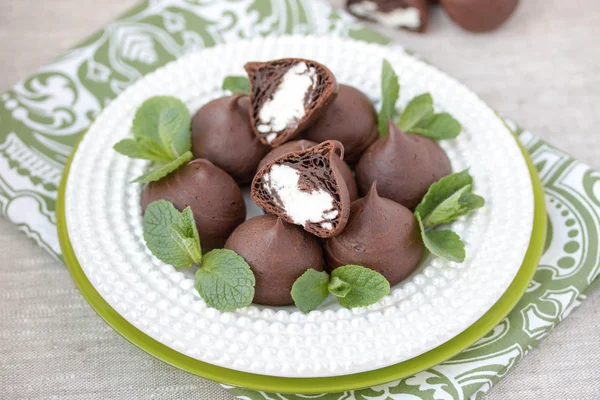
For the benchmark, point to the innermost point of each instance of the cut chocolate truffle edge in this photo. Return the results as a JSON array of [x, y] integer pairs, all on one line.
[[287, 96], [305, 188]]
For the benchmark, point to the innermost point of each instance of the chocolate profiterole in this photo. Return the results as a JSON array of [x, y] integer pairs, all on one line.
[[213, 196], [403, 165], [351, 119], [479, 15], [287, 96], [278, 253], [382, 235], [221, 133], [306, 188], [411, 15], [296, 145]]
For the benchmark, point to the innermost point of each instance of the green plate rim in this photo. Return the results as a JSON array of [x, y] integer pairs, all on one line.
[[310, 386]]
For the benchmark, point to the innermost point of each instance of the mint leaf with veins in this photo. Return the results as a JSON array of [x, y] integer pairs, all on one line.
[[142, 149], [165, 120], [236, 84], [310, 289], [390, 90], [418, 112], [366, 286], [447, 199], [165, 169], [443, 243], [170, 235], [225, 281], [441, 126]]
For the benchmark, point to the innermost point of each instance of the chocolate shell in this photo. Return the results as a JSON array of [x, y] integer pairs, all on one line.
[[214, 197], [306, 188], [411, 15], [479, 15], [403, 165], [296, 145], [278, 253], [351, 119], [222, 134], [287, 96], [382, 235]]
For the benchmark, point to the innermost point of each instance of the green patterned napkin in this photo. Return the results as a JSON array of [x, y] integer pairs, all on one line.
[[43, 116]]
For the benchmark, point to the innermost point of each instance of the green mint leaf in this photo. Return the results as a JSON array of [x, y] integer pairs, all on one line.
[[443, 243], [140, 149], [338, 287], [442, 126], [187, 244], [237, 84], [310, 289], [166, 121], [390, 89], [366, 286], [418, 112], [225, 281], [448, 199], [188, 224], [162, 240], [165, 169]]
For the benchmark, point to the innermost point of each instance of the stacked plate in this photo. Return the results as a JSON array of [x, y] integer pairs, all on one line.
[[435, 313]]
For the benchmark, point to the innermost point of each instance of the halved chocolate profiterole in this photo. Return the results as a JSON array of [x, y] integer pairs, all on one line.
[[305, 188], [411, 15], [287, 96]]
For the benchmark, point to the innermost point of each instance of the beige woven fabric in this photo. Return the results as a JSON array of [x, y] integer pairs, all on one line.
[[541, 69]]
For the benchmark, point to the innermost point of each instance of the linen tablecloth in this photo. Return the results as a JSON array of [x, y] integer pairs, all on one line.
[[49, 110]]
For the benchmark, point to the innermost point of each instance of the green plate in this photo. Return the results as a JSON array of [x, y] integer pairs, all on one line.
[[313, 385]]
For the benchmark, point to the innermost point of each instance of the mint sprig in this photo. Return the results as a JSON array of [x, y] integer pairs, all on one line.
[[237, 84], [390, 90], [419, 117], [161, 133], [353, 285], [166, 231], [224, 280], [446, 200]]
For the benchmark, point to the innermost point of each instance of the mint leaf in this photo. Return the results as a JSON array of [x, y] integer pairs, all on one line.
[[310, 289], [448, 199], [390, 89], [165, 169], [442, 126], [237, 84], [167, 243], [338, 287], [166, 121], [225, 281], [366, 286], [443, 243], [141, 149], [418, 112]]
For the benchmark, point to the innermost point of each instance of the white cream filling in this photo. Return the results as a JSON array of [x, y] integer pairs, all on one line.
[[285, 108], [300, 206], [399, 18]]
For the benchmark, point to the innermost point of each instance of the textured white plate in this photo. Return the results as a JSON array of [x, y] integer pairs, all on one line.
[[435, 304]]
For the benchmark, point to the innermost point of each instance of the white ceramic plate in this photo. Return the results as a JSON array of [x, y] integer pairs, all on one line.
[[435, 304]]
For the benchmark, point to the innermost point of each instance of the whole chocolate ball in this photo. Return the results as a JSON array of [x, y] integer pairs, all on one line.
[[351, 120], [221, 133], [278, 253], [382, 235], [403, 165], [296, 145], [479, 15], [213, 196]]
